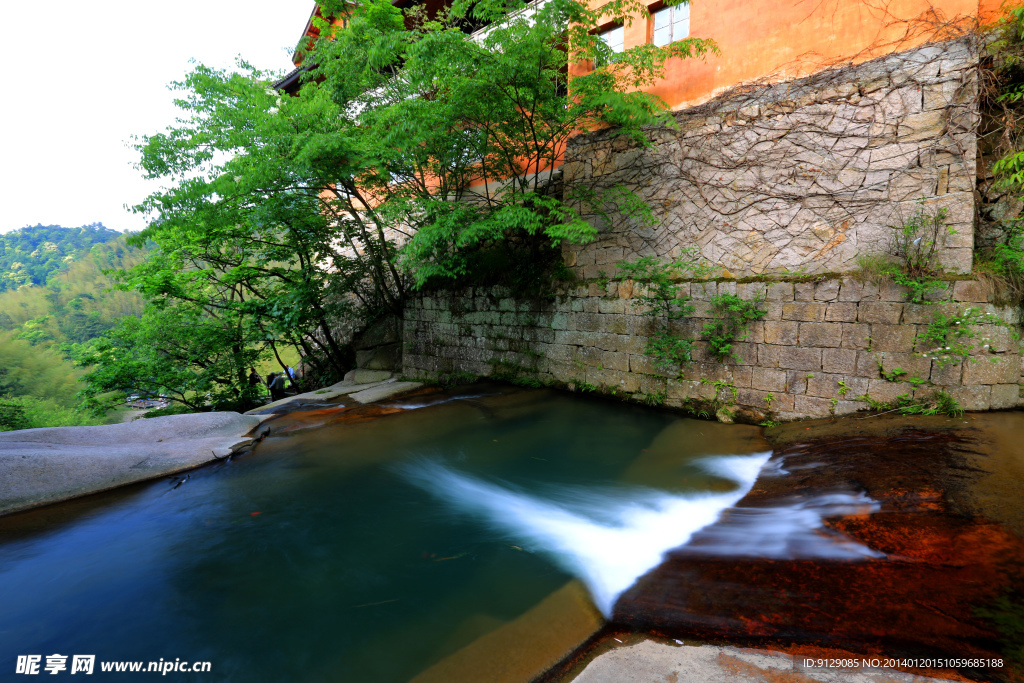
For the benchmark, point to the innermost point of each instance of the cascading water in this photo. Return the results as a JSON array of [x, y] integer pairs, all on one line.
[[609, 538]]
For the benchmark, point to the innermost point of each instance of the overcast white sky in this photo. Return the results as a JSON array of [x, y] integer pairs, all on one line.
[[81, 77]]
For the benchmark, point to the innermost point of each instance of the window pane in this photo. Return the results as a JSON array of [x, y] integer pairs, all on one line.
[[614, 38], [663, 36], [661, 18], [680, 22]]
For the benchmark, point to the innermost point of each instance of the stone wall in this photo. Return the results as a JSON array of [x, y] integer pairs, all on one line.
[[799, 176], [814, 337]]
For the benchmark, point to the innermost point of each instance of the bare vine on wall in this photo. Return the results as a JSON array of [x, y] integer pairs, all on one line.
[[802, 176]]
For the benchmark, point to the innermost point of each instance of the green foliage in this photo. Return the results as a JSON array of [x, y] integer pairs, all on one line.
[[732, 317], [12, 416], [939, 403], [768, 399], [910, 259], [659, 295], [31, 255], [843, 388], [149, 356], [28, 412], [950, 338], [76, 304], [654, 398], [453, 135], [36, 372]]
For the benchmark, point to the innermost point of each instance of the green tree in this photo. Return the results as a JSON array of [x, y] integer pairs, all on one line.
[[182, 350], [424, 109], [290, 219]]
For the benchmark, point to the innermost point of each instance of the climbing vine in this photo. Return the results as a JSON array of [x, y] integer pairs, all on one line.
[[732, 318], [661, 299]]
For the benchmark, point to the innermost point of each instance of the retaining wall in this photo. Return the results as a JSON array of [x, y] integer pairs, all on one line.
[[800, 176], [814, 336]]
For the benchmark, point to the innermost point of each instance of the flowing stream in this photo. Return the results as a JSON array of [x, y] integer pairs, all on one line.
[[369, 548]]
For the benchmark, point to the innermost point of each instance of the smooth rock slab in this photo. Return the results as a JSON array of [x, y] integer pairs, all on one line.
[[325, 394], [385, 390], [40, 466], [650, 661]]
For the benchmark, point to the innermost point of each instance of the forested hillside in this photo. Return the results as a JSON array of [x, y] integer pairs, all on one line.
[[43, 328], [32, 254]]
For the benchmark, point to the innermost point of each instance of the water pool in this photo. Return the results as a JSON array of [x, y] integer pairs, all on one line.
[[368, 549]]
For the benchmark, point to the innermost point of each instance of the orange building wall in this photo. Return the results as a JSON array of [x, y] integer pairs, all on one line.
[[779, 40]]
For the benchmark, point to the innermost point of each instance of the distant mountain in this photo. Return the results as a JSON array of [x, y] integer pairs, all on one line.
[[32, 254]]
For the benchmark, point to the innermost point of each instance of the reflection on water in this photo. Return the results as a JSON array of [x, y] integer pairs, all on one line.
[[311, 559]]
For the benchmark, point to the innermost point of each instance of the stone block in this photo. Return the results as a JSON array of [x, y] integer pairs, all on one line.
[[841, 361], [893, 338], [820, 334], [926, 125], [780, 291], [774, 311], [882, 390], [948, 374], [890, 291], [991, 370], [812, 406], [615, 323], [613, 379], [803, 291], [789, 358], [970, 290], [804, 311], [755, 332], [841, 312], [850, 290], [755, 398], [867, 364], [824, 385], [827, 290], [972, 397], [570, 337], [856, 336], [1005, 396], [912, 364], [742, 375], [688, 389], [752, 290], [796, 381], [998, 339], [644, 365], [706, 371], [922, 314], [611, 306], [384, 331], [883, 312], [782, 332], [585, 322], [765, 379], [605, 359]]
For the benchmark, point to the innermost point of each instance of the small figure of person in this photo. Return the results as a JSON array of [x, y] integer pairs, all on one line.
[[276, 382], [254, 377]]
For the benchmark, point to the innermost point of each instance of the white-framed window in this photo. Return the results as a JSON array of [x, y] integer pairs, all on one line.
[[671, 24], [614, 38]]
